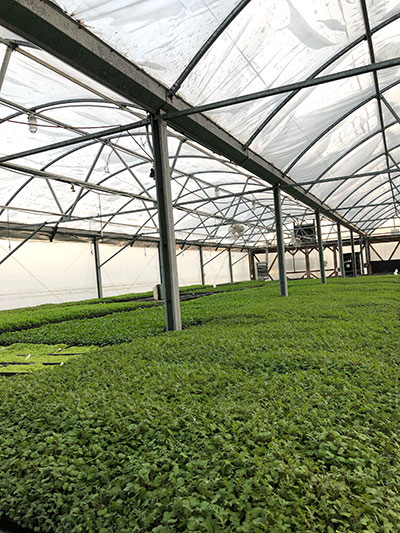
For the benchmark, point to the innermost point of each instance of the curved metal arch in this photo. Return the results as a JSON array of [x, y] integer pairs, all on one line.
[[320, 69], [388, 215], [207, 45], [370, 178], [327, 130], [205, 201], [67, 153], [61, 103], [45, 167], [365, 196], [365, 164], [59, 72], [367, 180], [370, 210], [346, 153], [213, 186], [372, 227], [336, 123]]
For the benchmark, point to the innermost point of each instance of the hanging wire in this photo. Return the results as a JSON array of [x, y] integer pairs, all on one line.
[[140, 146]]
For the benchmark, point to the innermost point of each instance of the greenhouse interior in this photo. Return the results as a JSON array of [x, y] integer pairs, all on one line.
[[200, 232]]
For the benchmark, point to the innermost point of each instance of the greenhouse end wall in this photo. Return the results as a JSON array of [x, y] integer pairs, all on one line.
[[41, 272]]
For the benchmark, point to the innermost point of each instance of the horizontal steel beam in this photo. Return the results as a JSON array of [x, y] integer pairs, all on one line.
[[366, 206], [223, 196], [335, 76], [72, 181], [347, 177], [20, 231], [46, 25], [76, 140]]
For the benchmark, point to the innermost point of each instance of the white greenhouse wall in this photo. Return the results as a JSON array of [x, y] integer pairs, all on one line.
[[135, 269], [189, 271], [43, 272], [385, 251]]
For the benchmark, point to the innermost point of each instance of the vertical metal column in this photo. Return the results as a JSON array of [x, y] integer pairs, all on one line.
[[353, 254], [280, 245], [98, 268], [166, 225], [361, 256], [320, 247], [230, 264], [335, 265], [252, 269], [202, 265], [340, 246], [368, 256]]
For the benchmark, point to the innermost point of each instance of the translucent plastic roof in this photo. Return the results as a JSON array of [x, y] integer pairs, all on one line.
[[340, 139]]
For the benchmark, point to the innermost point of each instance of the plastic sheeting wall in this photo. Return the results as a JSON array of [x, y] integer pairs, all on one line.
[[296, 265], [43, 272], [385, 251]]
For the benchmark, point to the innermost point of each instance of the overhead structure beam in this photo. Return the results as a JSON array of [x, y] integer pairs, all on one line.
[[335, 76], [65, 179], [76, 140], [48, 27], [280, 244], [169, 269], [320, 248]]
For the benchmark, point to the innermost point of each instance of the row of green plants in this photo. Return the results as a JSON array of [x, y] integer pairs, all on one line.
[[36, 316], [271, 415], [25, 358], [51, 313], [117, 328]]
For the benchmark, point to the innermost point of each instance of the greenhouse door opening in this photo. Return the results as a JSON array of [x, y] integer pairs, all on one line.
[[348, 264]]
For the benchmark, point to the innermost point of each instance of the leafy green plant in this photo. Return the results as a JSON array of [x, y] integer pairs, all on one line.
[[273, 414]]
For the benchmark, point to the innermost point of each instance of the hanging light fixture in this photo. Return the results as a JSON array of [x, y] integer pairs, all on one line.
[[32, 123]]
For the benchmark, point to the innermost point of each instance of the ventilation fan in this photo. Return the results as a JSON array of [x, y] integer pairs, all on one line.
[[237, 230]]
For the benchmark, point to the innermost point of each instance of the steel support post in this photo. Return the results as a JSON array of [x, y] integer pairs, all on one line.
[[361, 256], [169, 268], [201, 265], [320, 247], [252, 269], [340, 247], [368, 257], [353, 254], [230, 264], [280, 245], [98, 268]]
